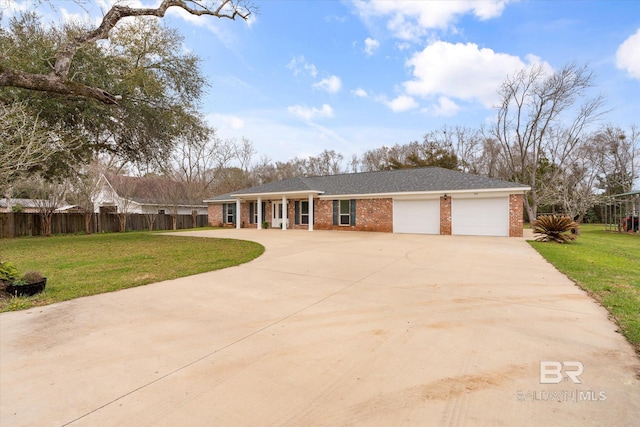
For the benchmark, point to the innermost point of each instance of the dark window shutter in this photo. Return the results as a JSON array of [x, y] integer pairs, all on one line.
[[352, 212], [335, 212], [252, 206], [224, 213], [297, 212], [264, 206], [314, 211], [235, 215]]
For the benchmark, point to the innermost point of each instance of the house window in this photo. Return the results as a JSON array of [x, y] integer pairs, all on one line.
[[345, 212], [229, 212], [304, 212], [160, 211], [254, 213]]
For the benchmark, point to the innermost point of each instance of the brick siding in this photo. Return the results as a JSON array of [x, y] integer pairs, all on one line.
[[215, 215], [516, 215], [445, 216], [371, 215]]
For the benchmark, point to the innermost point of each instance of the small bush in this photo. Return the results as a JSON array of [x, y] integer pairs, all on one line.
[[32, 277], [555, 228], [8, 272]]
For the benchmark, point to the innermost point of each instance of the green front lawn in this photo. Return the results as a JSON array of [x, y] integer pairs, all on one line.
[[82, 265], [607, 265]]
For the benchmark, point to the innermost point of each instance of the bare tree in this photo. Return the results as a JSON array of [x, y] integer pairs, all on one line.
[[329, 162], [50, 196], [354, 164], [25, 143], [538, 118], [467, 144], [172, 195], [202, 165], [58, 79], [263, 171], [375, 160], [83, 190], [618, 158], [125, 187], [573, 186], [150, 217]]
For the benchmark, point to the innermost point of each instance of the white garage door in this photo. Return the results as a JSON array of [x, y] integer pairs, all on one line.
[[480, 217], [416, 216]]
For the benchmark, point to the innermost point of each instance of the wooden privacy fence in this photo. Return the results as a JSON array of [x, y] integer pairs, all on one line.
[[31, 224]]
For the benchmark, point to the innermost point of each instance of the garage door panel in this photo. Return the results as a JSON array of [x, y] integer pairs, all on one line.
[[480, 217], [416, 216]]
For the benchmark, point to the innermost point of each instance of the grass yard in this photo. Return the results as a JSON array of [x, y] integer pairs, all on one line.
[[607, 265], [82, 265]]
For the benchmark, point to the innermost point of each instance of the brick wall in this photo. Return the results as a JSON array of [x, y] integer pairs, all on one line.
[[371, 215], [445, 216], [374, 215], [516, 215], [291, 214], [214, 213]]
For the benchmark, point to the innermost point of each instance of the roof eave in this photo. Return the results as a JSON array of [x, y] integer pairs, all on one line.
[[277, 193], [234, 197], [511, 190]]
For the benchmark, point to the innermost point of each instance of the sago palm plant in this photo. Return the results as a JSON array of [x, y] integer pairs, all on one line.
[[555, 228]]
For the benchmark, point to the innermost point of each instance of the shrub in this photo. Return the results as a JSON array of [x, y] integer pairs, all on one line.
[[32, 277], [8, 273], [555, 228]]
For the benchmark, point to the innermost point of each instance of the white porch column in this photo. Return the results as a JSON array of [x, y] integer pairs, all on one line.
[[284, 212], [259, 208], [237, 213], [310, 212]]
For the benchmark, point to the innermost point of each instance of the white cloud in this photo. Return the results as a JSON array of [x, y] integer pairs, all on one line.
[[371, 46], [300, 66], [10, 7], [227, 120], [462, 71], [402, 103], [445, 107], [309, 114], [628, 55], [410, 19], [360, 93], [331, 84]]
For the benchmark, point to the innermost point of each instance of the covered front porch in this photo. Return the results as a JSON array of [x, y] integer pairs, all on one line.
[[274, 210]]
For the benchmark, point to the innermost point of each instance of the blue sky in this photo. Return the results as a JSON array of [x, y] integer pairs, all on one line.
[[304, 76]]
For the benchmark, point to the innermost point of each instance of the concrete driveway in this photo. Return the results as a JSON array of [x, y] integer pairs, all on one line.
[[332, 329]]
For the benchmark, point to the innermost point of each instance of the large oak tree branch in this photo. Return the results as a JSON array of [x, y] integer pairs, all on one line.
[[57, 80], [53, 84]]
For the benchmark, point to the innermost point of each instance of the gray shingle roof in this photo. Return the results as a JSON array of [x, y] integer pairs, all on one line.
[[431, 179]]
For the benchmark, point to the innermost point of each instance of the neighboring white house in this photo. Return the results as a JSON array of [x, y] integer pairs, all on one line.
[[142, 195], [31, 206]]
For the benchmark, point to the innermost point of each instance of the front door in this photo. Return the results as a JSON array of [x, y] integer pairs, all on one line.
[[276, 215]]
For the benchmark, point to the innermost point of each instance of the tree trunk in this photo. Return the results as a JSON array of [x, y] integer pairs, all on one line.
[[46, 220], [532, 208], [123, 222], [151, 218], [174, 221], [87, 222]]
